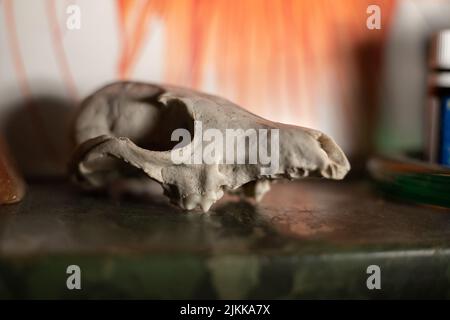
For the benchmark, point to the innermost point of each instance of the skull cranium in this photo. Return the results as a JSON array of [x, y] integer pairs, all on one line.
[[126, 128]]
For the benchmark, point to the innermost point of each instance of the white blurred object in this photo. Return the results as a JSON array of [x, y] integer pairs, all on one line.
[[403, 96]]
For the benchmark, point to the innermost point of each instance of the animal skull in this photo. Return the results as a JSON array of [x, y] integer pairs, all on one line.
[[125, 129]]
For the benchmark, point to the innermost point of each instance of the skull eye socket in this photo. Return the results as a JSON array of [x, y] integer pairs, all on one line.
[[149, 123]]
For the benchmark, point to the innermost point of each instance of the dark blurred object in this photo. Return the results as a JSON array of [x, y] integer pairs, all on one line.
[[38, 134], [412, 180], [12, 187]]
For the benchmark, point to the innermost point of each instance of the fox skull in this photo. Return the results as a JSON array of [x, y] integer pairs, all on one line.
[[129, 127]]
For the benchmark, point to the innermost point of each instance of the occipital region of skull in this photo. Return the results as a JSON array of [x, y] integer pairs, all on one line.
[[125, 131]]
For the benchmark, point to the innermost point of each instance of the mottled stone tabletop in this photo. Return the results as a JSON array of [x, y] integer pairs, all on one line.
[[309, 239]]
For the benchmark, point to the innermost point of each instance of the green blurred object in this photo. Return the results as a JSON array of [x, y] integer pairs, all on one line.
[[412, 180]]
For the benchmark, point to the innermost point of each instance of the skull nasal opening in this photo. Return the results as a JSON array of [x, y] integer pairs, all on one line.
[[150, 123]]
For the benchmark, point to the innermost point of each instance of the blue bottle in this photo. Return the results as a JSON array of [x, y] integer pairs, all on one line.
[[440, 98]]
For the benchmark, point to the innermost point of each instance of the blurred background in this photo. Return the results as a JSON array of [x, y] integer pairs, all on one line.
[[310, 63]]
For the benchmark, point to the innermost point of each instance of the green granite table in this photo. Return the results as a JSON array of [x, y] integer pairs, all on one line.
[[309, 239]]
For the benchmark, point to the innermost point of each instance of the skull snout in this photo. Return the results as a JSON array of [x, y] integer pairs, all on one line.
[[336, 165]]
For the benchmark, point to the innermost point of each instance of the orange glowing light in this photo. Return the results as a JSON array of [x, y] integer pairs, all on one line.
[[262, 53]]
